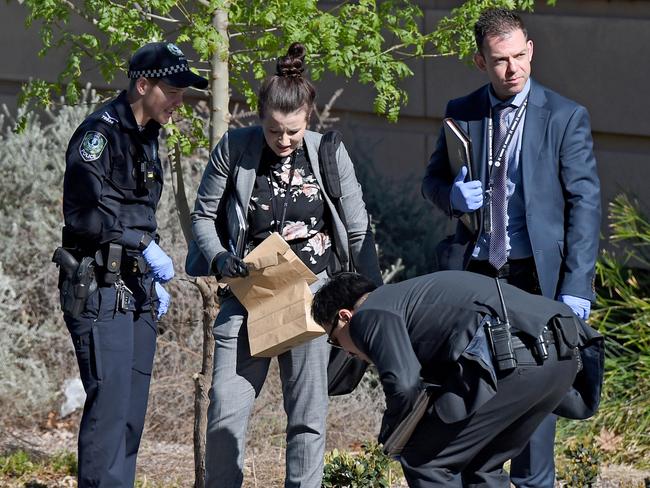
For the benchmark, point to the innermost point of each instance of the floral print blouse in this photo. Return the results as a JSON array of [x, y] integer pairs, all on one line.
[[303, 226]]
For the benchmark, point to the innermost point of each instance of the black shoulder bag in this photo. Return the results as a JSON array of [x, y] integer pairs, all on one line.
[[344, 372]]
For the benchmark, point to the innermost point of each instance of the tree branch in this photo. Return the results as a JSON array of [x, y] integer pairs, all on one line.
[[147, 15], [241, 33], [81, 14]]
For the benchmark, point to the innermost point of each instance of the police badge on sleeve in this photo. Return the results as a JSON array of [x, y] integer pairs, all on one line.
[[92, 145]]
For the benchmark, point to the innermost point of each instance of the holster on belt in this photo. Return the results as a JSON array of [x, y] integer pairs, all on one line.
[[109, 262], [76, 281], [135, 264], [566, 336]]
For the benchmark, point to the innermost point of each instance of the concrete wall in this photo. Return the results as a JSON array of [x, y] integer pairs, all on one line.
[[593, 51]]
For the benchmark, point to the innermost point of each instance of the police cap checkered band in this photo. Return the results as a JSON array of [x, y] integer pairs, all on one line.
[[159, 73], [164, 61]]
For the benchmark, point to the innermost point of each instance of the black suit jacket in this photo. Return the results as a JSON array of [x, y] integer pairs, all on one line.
[[420, 329], [560, 184]]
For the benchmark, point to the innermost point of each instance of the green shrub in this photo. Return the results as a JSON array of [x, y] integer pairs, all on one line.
[[405, 225], [367, 469], [580, 467], [16, 464], [622, 315], [64, 463]]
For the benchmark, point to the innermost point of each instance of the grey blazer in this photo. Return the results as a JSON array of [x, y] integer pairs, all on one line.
[[352, 242]]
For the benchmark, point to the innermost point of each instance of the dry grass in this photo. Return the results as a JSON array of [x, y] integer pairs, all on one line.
[[166, 456]]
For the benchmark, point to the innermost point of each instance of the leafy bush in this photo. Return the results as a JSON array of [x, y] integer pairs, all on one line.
[[16, 464], [406, 226], [622, 315], [34, 353], [368, 469], [64, 463], [581, 466]]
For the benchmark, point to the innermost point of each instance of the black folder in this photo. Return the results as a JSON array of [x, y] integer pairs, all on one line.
[[459, 153], [402, 433]]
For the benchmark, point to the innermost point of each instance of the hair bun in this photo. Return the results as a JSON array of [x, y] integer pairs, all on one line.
[[292, 65]]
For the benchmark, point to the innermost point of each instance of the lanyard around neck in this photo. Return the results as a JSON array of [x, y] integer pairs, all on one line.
[[506, 142], [285, 203]]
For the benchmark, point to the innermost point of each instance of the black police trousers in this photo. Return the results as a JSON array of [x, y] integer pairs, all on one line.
[[471, 453], [115, 351], [534, 466]]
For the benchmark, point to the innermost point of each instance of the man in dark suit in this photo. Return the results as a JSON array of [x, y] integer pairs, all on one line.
[[438, 329], [537, 193]]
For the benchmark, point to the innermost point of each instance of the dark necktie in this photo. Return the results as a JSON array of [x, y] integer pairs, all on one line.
[[499, 210]]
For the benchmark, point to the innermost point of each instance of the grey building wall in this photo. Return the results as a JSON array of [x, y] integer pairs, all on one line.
[[593, 51]]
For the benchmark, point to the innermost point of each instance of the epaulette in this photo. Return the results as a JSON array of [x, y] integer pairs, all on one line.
[[108, 118]]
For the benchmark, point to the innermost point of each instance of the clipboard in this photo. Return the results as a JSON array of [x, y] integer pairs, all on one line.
[[459, 153], [237, 226]]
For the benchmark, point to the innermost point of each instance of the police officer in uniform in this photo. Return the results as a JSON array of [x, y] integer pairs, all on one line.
[[112, 267]]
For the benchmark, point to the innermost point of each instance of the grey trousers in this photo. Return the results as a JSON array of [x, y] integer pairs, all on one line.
[[236, 382]]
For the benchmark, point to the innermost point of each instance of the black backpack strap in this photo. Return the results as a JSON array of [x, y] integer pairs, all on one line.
[[329, 145], [344, 372]]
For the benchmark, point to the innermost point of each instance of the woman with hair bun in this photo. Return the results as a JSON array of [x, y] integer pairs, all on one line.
[[273, 172]]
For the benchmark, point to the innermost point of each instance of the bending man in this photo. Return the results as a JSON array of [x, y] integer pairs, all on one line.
[[436, 329]]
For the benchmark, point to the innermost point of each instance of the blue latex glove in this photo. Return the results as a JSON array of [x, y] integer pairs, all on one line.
[[466, 196], [163, 299], [161, 264], [580, 306]]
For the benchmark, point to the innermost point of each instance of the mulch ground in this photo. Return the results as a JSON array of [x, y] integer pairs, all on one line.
[[170, 465]]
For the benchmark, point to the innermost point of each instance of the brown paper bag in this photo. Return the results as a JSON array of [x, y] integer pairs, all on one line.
[[277, 297]]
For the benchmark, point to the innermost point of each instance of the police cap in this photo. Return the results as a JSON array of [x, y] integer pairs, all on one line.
[[165, 61]]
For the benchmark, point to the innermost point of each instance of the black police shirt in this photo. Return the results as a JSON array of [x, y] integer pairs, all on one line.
[[113, 178]]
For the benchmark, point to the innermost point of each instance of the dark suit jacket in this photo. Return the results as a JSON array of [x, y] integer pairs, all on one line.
[[420, 328], [560, 185]]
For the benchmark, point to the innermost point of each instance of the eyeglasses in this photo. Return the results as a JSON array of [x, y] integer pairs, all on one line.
[[331, 340]]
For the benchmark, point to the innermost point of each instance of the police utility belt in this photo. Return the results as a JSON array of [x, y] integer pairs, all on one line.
[[511, 349], [79, 276]]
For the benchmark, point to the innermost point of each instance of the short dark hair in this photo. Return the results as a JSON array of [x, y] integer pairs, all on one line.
[[497, 22], [133, 81], [341, 291], [287, 90]]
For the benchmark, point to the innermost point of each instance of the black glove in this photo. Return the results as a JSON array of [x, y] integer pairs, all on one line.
[[229, 266]]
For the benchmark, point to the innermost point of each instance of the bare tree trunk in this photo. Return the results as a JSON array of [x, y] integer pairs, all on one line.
[[219, 119], [220, 94], [180, 195], [208, 289]]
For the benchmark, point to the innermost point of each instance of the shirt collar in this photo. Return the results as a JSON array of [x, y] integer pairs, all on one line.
[[127, 119], [515, 101]]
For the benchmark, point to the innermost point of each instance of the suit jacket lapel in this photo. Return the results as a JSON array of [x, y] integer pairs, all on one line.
[[477, 129], [249, 160], [535, 123], [312, 144], [248, 163], [478, 134]]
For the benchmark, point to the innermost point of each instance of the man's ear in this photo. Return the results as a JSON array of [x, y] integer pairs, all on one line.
[[479, 61], [344, 315], [142, 85]]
